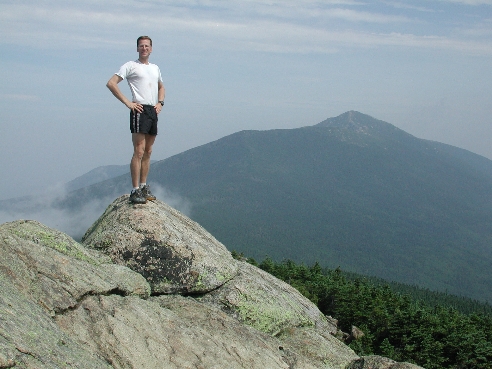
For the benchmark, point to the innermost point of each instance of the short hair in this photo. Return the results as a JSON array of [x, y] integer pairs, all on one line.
[[144, 38]]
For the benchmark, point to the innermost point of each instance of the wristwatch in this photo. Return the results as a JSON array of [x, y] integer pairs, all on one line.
[[162, 102]]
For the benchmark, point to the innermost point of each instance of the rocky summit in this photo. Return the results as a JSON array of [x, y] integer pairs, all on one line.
[[150, 288]]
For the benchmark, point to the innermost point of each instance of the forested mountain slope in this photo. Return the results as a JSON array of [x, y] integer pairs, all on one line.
[[352, 191]]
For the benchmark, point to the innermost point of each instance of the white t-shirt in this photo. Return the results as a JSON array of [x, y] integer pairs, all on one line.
[[143, 80]]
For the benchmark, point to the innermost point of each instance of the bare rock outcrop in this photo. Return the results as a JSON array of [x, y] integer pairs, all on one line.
[[173, 332], [44, 272], [268, 304], [65, 305], [51, 268], [379, 362], [174, 253]]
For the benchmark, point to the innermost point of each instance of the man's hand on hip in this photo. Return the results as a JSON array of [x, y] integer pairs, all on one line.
[[135, 107], [158, 107]]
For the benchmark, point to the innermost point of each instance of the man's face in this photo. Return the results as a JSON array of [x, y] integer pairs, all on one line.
[[144, 49]]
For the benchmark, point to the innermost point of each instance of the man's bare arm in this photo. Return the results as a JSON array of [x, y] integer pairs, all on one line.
[[113, 87], [161, 93]]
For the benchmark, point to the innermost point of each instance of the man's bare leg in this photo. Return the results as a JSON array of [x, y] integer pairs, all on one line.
[[136, 162], [145, 163]]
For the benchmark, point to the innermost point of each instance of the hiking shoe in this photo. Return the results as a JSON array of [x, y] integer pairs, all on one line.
[[147, 194], [136, 197]]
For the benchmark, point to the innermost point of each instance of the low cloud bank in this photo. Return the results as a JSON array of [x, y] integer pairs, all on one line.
[[45, 208], [174, 200]]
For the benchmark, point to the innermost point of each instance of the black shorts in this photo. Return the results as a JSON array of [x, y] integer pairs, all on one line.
[[144, 122]]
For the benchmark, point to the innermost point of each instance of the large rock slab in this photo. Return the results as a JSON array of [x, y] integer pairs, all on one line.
[[174, 253], [49, 267], [379, 362], [30, 339], [173, 332], [251, 350], [272, 306], [318, 347], [44, 272], [266, 303]]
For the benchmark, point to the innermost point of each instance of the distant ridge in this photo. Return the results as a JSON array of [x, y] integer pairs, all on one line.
[[351, 191], [96, 175]]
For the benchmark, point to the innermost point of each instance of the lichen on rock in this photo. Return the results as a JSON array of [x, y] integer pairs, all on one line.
[[55, 270], [265, 302]]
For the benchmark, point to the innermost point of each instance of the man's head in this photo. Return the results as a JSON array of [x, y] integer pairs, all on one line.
[[144, 38], [144, 48]]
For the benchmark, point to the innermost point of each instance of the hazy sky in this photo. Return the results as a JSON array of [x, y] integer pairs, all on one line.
[[424, 66]]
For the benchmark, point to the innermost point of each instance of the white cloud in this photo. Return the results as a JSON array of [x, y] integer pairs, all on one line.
[[77, 27], [20, 97], [277, 26], [357, 16], [44, 208], [479, 31], [470, 2], [402, 5], [172, 199]]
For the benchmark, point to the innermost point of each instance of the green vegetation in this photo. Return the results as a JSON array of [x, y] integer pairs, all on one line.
[[441, 331], [464, 305]]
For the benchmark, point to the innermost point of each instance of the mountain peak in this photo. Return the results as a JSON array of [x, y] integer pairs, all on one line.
[[352, 120], [358, 123]]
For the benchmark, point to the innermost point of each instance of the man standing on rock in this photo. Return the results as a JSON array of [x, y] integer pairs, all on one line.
[[148, 93]]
